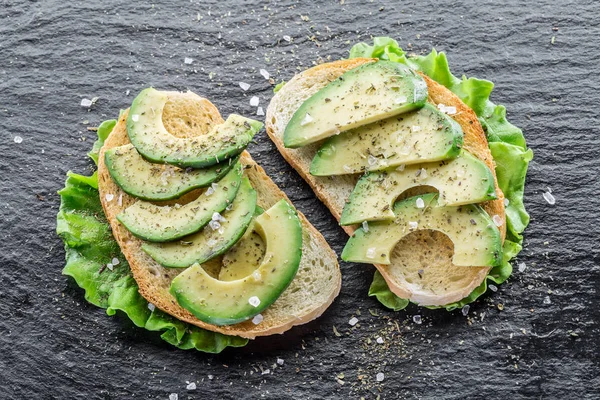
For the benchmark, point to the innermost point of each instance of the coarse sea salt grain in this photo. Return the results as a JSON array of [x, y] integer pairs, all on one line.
[[497, 220], [379, 340], [245, 86], [549, 198], [18, 139], [188, 60], [173, 396], [265, 74], [86, 103], [465, 310], [191, 386], [218, 217], [522, 267], [450, 110], [115, 261], [493, 288], [256, 275], [415, 128], [109, 266], [280, 361], [413, 224], [209, 191], [380, 377], [266, 372], [214, 225], [420, 203], [365, 226], [372, 160], [547, 300], [258, 318], [109, 196], [260, 111], [506, 202], [287, 38], [401, 100], [254, 101], [347, 168], [120, 200], [417, 319], [401, 167], [306, 120], [151, 306], [353, 321], [254, 301], [371, 252], [135, 117]]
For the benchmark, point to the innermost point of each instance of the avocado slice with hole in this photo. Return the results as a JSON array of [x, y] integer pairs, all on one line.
[[463, 180], [214, 239], [425, 135], [157, 182], [157, 223], [360, 96], [477, 241], [221, 302], [152, 140]]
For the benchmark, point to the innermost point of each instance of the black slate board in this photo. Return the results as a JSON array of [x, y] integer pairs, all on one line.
[[544, 59]]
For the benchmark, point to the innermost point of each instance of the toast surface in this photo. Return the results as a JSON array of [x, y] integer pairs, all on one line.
[[421, 269], [316, 284]]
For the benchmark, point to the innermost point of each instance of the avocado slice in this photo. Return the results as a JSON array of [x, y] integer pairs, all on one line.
[[360, 96], [424, 135], [229, 302], [477, 241], [150, 137], [463, 180], [156, 223], [214, 239], [156, 182], [243, 258]]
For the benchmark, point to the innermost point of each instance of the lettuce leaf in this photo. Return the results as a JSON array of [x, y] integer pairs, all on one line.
[[507, 145], [90, 246]]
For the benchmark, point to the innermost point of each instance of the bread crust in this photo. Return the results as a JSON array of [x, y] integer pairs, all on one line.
[[154, 280], [301, 86]]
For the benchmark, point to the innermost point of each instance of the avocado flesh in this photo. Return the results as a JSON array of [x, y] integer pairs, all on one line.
[[243, 258], [477, 241], [157, 182], [425, 135], [156, 223], [360, 96], [463, 180], [221, 302], [152, 140], [208, 243]]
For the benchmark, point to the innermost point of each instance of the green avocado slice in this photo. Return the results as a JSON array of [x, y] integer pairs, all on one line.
[[425, 135], [150, 137], [215, 239], [360, 96], [463, 180], [229, 302], [245, 257], [477, 240], [156, 223], [156, 182]]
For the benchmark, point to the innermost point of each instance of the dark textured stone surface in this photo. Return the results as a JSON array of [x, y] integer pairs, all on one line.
[[54, 345]]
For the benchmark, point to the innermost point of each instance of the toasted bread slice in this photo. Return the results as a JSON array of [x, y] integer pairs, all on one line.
[[423, 253], [316, 284]]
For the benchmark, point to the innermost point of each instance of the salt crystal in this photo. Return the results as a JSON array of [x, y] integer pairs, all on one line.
[[365, 226], [280, 361], [306, 120], [109, 266], [415, 128], [191, 386], [115, 261], [135, 117], [221, 230], [493, 288], [422, 173], [401, 167], [371, 252], [413, 224], [450, 110], [211, 243], [18, 139], [460, 173], [497, 220], [547, 300], [417, 319], [266, 372], [420, 203], [353, 321], [214, 225], [404, 150], [86, 103], [522, 267], [245, 86], [287, 38], [258, 318], [372, 160], [260, 111], [151, 306], [256, 275], [109, 196], [218, 217], [264, 73], [347, 168], [210, 377], [506, 202], [209, 191], [465, 310], [173, 396], [401, 100], [254, 101], [188, 60], [120, 200], [380, 377], [549, 198], [254, 301], [379, 340]]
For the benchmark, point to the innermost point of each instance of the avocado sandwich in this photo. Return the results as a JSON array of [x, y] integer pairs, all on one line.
[[419, 167], [202, 244]]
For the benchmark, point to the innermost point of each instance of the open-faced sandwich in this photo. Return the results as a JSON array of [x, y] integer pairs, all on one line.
[[418, 166], [192, 237]]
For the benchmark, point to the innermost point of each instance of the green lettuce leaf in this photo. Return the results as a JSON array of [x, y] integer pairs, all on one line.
[[507, 145], [90, 247]]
